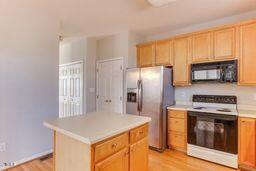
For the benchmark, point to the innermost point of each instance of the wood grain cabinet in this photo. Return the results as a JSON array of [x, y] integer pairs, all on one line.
[[163, 52], [181, 55], [202, 47], [138, 156], [128, 151], [247, 142], [247, 60], [146, 54], [117, 162], [177, 131], [224, 44]]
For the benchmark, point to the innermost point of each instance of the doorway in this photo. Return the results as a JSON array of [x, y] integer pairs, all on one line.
[[71, 89], [110, 85]]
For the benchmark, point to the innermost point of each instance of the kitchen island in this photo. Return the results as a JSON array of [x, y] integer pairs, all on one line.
[[100, 141]]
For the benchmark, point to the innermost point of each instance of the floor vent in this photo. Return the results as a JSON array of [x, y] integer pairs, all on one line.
[[45, 157]]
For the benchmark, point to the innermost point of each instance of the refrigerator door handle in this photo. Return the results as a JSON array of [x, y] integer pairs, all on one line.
[[139, 95], [138, 103]]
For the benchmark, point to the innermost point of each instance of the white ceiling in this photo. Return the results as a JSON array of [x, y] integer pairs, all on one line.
[[99, 17]]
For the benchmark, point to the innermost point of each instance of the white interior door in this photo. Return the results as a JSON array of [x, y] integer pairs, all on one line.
[[110, 85], [71, 89]]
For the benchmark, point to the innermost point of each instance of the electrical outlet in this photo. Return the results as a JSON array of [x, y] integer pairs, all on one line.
[[2, 146]]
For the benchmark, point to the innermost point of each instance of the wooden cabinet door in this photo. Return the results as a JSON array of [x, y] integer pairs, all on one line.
[[247, 61], [163, 53], [247, 142], [116, 162], [202, 47], [181, 53], [139, 156], [146, 55], [224, 43]]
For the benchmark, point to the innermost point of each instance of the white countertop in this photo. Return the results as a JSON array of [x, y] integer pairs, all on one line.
[[241, 112], [97, 126], [247, 113], [179, 107]]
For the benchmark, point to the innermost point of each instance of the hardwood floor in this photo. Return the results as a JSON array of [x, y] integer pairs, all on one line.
[[168, 161]]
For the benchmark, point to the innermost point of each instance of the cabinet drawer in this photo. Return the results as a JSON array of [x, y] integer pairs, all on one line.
[[111, 146], [177, 114], [176, 140], [176, 124], [138, 133]]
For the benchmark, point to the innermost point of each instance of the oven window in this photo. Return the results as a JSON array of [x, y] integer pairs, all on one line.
[[213, 131]]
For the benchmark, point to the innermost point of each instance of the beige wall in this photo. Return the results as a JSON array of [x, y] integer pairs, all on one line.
[[72, 49], [112, 46], [29, 56]]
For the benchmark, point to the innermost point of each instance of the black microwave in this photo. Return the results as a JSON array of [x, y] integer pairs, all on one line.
[[223, 72]]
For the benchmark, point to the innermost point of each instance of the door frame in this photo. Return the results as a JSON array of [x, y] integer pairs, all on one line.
[[122, 79], [83, 81]]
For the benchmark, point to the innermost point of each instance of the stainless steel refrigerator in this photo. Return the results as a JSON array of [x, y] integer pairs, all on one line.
[[149, 93]]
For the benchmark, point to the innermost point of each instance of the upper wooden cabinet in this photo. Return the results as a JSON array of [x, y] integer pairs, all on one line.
[[163, 52], [247, 142], [146, 55], [181, 53], [201, 47], [224, 43], [247, 60]]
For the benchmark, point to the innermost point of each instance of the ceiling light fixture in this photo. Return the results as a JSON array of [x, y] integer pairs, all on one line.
[[159, 3]]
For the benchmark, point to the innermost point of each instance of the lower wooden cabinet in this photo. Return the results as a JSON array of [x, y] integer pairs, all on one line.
[[247, 142], [116, 162], [139, 156], [128, 151], [177, 131]]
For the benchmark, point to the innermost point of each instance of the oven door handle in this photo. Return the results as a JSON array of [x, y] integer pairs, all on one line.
[[211, 116]]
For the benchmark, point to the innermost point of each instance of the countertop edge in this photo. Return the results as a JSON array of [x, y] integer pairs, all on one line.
[[93, 141]]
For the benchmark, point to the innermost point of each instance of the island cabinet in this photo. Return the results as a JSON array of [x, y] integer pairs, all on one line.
[[247, 60], [181, 56], [124, 152], [247, 143], [177, 130]]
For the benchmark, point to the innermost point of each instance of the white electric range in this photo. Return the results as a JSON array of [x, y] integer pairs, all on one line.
[[212, 129]]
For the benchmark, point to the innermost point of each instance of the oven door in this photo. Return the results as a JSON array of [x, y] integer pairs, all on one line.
[[214, 131]]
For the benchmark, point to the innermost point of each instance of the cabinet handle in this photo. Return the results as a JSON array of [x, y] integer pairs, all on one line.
[[127, 153], [109, 101], [141, 132], [114, 145]]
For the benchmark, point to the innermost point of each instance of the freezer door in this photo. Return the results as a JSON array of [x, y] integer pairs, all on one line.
[[132, 79], [152, 88]]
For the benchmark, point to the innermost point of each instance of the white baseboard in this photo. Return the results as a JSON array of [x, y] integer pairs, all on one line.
[[35, 156]]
